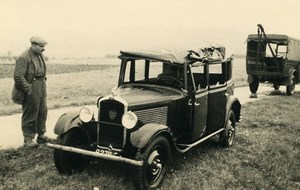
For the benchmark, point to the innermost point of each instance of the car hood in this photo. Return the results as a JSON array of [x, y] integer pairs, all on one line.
[[141, 95]]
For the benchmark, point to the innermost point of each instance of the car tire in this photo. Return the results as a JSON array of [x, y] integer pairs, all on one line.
[[156, 158], [290, 89], [276, 86], [227, 137], [253, 86], [68, 162]]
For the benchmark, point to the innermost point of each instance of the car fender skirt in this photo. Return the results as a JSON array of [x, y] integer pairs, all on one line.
[[66, 122], [143, 135]]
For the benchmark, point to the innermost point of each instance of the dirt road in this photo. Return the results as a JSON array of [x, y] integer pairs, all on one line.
[[10, 126]]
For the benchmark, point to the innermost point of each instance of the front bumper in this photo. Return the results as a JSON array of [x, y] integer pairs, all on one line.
[[96, 154]]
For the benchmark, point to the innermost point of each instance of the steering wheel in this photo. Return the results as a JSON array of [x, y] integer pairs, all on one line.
[[175, 80]]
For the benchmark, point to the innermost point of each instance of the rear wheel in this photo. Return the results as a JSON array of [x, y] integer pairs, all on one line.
[[253, 85], [227, 137], [156, 159], [290, 89], [68, 162]]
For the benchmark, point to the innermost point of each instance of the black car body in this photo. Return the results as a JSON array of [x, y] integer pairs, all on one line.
[[162, 103]]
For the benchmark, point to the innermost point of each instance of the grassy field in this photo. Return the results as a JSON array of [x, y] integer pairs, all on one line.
[[73, 84], [266, 155]]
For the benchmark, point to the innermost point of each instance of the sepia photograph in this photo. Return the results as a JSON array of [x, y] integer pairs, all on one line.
[[140, 94]]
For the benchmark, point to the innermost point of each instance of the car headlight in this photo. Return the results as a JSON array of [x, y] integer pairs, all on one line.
[[129, 120], [85, 114]]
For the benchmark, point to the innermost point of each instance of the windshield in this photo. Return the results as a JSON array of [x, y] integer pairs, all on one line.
[[152, 72]]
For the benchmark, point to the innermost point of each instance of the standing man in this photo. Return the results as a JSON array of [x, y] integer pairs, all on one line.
[[30, 78]]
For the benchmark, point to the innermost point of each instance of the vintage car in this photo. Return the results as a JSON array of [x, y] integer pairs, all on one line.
[[162, 103], [273, 58]]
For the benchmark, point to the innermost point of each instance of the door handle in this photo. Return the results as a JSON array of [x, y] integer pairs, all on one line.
[[190, 103]]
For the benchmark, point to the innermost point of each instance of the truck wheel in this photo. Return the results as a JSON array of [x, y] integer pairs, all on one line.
[[276, 86], [156, 159], [290, 89], [227, 137], [68, 162], [254, 85]]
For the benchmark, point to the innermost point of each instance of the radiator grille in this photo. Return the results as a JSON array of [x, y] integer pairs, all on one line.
[[157, 115], [111, 131]]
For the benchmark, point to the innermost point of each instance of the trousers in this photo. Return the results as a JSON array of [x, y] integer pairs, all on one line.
[[35, 110]]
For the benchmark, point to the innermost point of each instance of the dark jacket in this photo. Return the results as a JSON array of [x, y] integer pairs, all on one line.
[[25, 70]]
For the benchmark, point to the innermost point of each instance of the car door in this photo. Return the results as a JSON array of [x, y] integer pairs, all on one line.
[[198, 102], [217, 97]]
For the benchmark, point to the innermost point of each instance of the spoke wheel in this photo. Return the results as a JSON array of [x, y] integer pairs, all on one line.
[[156, 159]]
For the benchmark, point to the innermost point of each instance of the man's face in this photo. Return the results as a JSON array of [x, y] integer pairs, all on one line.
[[38, 48]]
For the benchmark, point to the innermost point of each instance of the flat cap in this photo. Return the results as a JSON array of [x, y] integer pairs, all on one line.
[[38, 40]]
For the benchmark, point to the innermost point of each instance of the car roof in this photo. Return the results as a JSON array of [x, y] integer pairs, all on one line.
[[179, 58], [150, 55]]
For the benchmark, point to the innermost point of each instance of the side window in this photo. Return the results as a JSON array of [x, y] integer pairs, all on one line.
[[199, 77], [217, 75], [281, 51]]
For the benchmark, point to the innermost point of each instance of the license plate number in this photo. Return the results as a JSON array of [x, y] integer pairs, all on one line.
[[104, 151]]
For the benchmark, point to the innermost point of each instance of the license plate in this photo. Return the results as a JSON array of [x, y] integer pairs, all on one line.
[[104, 151]]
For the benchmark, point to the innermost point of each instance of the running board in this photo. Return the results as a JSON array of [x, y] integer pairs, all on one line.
[[189, 146], [96, 154]]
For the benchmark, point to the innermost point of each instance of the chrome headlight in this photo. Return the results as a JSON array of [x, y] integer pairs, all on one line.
[[85, 114], [129, 120]]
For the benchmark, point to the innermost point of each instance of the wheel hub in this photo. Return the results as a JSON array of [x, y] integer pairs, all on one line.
[[155, 165]]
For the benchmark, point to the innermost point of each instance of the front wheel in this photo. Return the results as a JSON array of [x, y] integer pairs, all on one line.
[[68, 162], [156, 159], [227, 137], [290, 89]]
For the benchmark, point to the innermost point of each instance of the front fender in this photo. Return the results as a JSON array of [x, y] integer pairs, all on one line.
[[143, 135], [67, 121]]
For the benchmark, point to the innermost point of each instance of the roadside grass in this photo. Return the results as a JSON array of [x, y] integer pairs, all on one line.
[[266, 155]]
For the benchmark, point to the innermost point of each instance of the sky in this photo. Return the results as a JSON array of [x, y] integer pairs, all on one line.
[[95, 28]]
